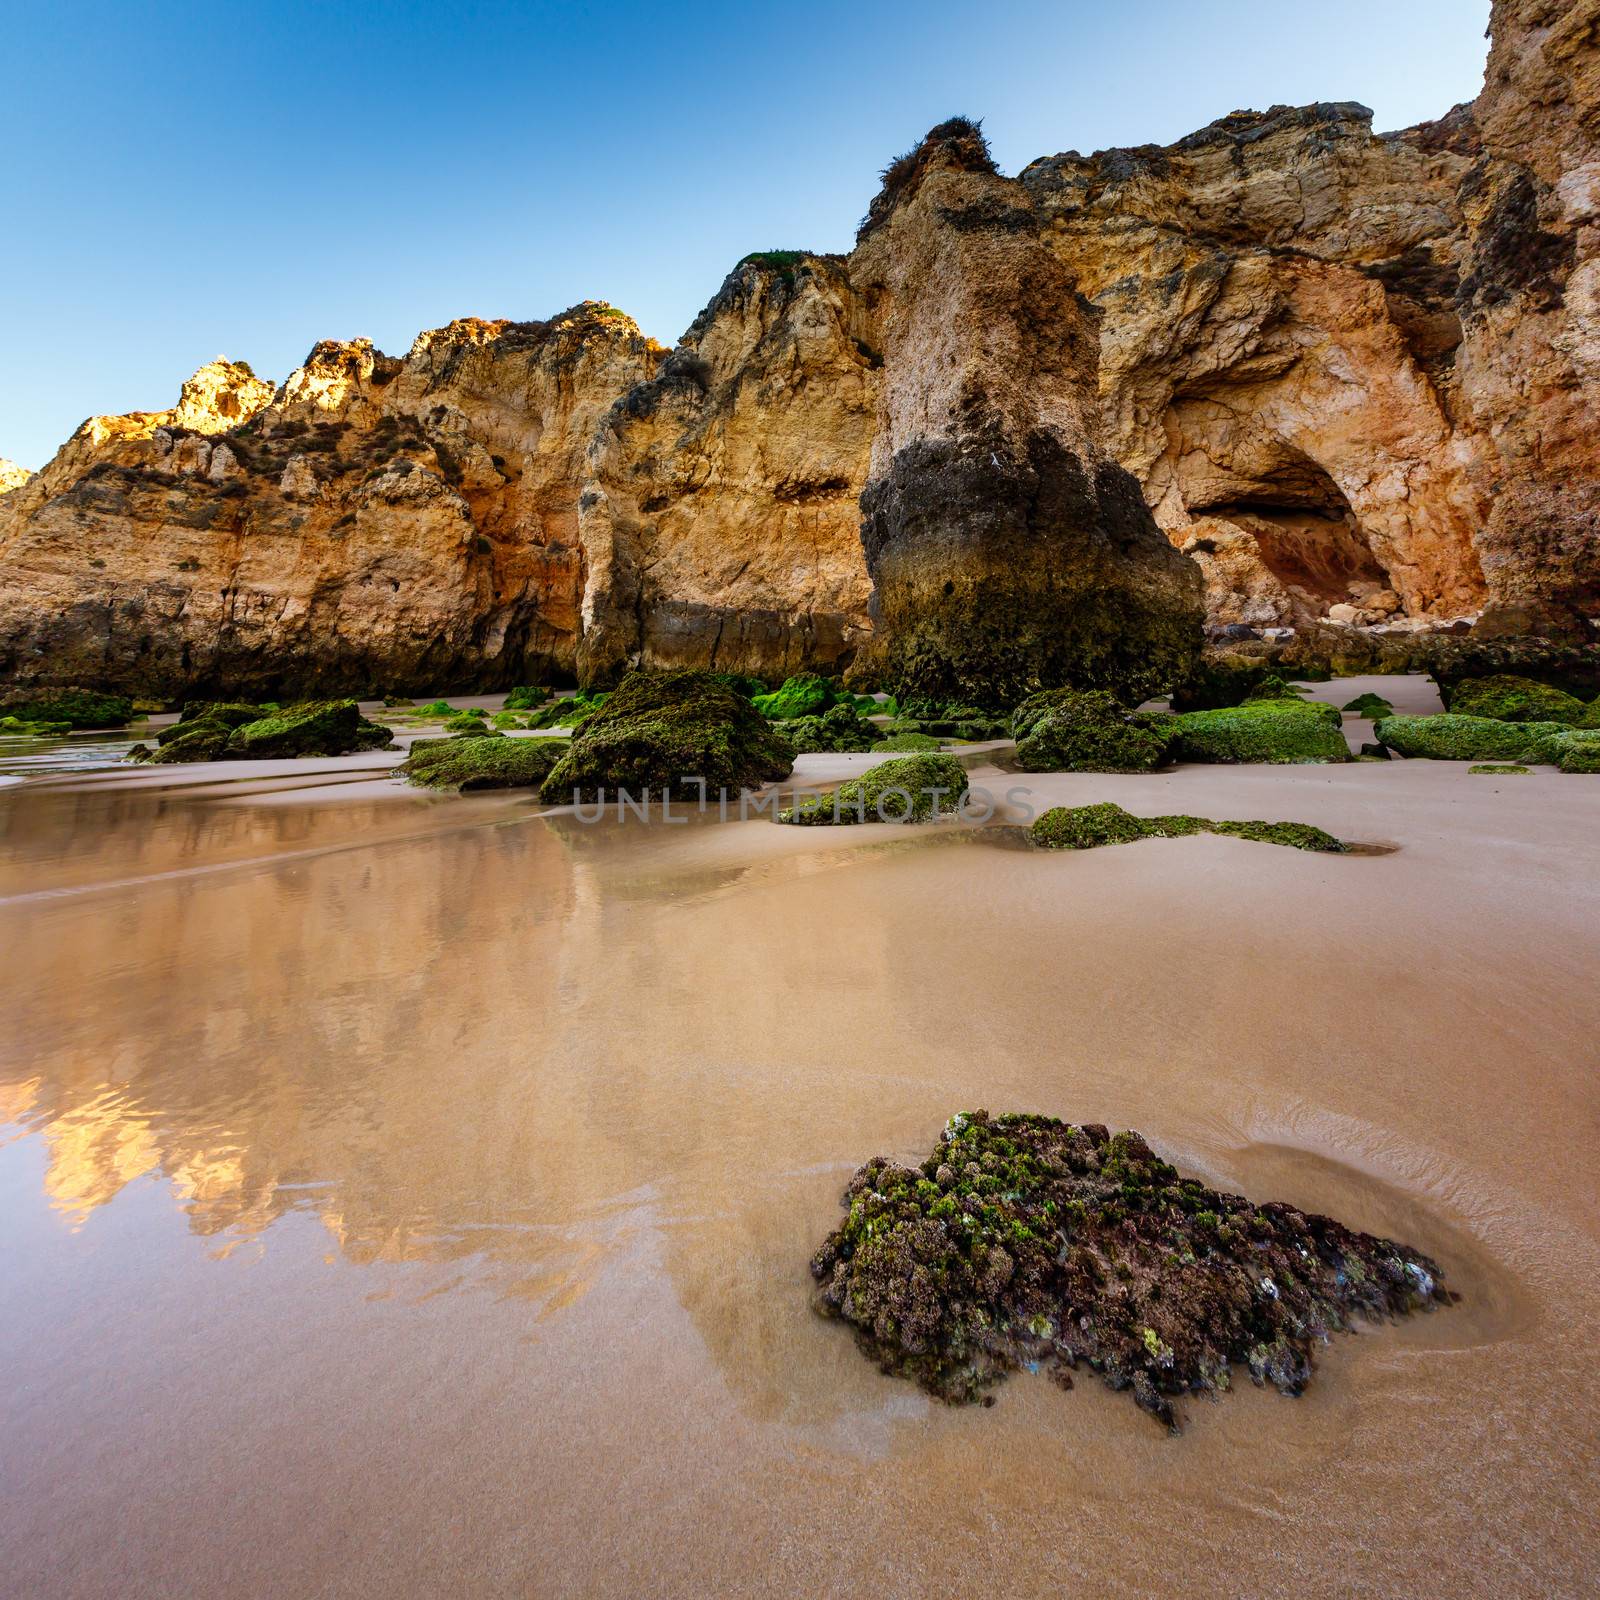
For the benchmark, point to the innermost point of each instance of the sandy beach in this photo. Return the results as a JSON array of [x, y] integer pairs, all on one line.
[[405, 1194]]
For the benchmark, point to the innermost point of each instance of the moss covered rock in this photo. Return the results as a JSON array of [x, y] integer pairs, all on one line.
[[1579, 758], [486, 763], [1089, 731], [1089, 827], [838, 729], [1373, 706], [1508, 698], [1448, 737], [1504, 768], [1270, 686], [907, 789], [465, 719], [76, 708], [1260, 731], [313, 728], [527, 698], [1027, 1242], [664, 729], [803, 696], [905, 742]]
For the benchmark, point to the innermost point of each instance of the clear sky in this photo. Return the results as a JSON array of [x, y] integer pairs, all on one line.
[[183, 181]]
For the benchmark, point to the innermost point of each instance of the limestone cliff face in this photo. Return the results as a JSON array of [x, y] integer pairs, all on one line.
[[1530, 306], [1276, 354], [12, 476], [375, 523], [1007, 550], [719, 517], [1353, 375]]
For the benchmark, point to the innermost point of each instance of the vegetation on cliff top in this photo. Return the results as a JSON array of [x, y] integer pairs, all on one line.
[[1024, 1241]]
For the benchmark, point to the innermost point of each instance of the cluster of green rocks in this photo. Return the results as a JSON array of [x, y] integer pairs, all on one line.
[[213, 730], [1502, 718], [48, 713], [1027, 1242]]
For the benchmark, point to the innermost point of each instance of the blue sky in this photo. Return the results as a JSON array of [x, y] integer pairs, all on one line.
[[188, 181]]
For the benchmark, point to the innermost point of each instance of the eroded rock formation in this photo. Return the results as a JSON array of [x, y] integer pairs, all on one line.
[[720, 521], [1008, 552], [1350, 373]]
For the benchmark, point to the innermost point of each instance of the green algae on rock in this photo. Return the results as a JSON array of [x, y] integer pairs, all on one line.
[[916, 788], [223, 731], [491, 762], [1505, 768], [1088, 827], [36, 730], [316, 728], [1506, 697], [1087, 731], [77, 708], [1024, 1241], [838, 729], [1273, 687], [676, 730], [906, 742], [527, 698], [1448, 737], [804, 696], [1373, 706], [1260, 731], [1578, 753]]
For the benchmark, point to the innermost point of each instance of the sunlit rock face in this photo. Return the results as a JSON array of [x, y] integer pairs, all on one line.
[[1530, 306], [12, 476], [1352, 375], [1277, 353], [376, 523], [1008, 551], [719, 519]]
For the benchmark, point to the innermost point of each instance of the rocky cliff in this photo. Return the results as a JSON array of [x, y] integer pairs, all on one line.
[[1008, 551], [1348, 373]]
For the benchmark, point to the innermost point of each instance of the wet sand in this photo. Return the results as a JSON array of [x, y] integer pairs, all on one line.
[[412, 1196]]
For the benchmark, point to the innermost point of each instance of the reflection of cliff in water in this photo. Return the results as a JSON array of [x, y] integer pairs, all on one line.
[[508, 1044]]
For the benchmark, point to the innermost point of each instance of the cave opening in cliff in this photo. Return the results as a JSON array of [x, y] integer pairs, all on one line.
[[1308, 536]]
